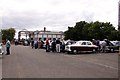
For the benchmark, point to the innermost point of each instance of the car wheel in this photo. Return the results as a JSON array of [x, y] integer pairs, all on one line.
[[75, 51], [112, 50], [94, 50]]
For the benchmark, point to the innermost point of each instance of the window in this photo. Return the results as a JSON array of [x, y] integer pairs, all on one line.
[[84, 43], [88, 43]]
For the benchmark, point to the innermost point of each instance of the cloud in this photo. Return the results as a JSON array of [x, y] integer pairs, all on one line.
[[56, 14]]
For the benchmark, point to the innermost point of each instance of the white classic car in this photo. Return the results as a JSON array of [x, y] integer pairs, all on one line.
[[81, 46], [1, 50]]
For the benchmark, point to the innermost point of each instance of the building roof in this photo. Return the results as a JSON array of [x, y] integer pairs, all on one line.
[[51, 32]]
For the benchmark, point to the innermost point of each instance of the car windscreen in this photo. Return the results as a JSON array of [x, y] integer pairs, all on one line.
[[70, 42]]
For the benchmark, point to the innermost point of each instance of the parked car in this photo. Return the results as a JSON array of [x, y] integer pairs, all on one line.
[[110, 46], [69, 42], [116, 45], [1, 49], [81, 46]]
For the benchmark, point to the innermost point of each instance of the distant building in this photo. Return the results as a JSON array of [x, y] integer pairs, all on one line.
[[43, 34], [47, 34]]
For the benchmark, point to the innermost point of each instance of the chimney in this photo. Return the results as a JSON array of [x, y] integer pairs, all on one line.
[[44, 29]]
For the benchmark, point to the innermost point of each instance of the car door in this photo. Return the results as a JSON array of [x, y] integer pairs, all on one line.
[[84, 46], [89, 46]]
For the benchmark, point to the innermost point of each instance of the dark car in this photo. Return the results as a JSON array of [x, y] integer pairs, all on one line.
[[110, 47], [116, 45]]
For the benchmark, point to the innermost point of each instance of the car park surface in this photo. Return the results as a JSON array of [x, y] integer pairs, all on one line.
[[25, 62]]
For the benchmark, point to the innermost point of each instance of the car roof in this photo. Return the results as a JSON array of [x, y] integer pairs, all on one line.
[[83, 41]]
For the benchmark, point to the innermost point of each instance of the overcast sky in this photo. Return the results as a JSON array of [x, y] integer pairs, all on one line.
[[55, 15]]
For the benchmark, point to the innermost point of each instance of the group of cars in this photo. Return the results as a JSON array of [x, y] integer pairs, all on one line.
[[88, 46], [83, 46]]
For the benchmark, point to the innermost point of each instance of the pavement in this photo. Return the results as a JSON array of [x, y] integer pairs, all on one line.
[[25, 62]]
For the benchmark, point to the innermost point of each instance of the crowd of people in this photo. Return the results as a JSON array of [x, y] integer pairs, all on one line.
[[58, 45], [55, 45]]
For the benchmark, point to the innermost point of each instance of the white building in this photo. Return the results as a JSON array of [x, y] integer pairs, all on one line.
[[38, 35], [47, 34]]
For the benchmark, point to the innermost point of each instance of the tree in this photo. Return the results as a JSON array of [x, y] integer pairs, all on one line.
[[100, 30], [8, 34], [93, 30], [69, 33], [118, 35]]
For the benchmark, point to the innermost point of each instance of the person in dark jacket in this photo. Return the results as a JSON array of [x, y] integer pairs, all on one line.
[[53, 46], [32, 43]]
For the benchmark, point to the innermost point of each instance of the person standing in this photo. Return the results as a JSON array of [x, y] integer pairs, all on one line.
[[62, 46], [15, 42], [58, 45], [53, 46], [42, 43], [103, 46], [8, 45], [36, 44], [47, 45], [32, 43], [94, 42]]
